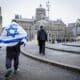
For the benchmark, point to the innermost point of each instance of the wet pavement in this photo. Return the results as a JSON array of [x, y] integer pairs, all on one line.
[[30, 69], [62, 58], [68, 47]]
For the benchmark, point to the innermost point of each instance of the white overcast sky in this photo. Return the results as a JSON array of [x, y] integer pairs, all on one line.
[[67, 10]]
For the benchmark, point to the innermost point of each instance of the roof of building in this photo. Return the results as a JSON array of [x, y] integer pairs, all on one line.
[[25, 20]]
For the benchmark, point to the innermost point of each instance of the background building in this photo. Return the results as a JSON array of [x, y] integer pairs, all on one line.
[[74, 29], [40, 13], [57, 30]]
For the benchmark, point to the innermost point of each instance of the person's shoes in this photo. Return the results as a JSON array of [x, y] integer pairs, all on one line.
[[15, 71], [39, 52], [43, 53], [8, 73]]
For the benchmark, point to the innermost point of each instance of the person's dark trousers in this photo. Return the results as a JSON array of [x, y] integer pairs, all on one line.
[[16, 62], [42, 47], [9, 58], [8, 62]]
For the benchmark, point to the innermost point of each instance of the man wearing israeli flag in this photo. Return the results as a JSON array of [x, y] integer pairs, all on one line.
[[13, 36]]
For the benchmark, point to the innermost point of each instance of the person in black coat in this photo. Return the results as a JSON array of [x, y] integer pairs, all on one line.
[[42, 38]]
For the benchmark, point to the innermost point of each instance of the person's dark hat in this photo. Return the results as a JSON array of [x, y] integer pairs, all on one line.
[[14, 21], [41, 27]]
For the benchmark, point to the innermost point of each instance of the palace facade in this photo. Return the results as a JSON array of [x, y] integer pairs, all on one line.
[[57, 30]]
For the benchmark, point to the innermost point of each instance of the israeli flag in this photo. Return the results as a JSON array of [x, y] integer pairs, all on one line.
[[12, 34]]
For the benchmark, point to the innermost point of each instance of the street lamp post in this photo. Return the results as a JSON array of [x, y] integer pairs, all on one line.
[[48, 10]]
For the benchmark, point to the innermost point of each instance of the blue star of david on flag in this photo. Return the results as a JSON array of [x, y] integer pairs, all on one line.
[[11, 31], [12, 34]]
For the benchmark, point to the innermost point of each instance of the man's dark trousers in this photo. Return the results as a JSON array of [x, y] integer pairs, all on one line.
[[42, 47], [9, 58], [12, 53]]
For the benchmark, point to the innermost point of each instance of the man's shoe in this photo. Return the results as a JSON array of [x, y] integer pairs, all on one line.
[[8, 73], [15, 71], [43, 53]]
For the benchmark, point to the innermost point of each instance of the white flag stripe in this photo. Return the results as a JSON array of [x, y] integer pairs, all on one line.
[[12, 34]]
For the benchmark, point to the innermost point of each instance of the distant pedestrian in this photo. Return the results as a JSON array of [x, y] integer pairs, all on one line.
[[42, 38]]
